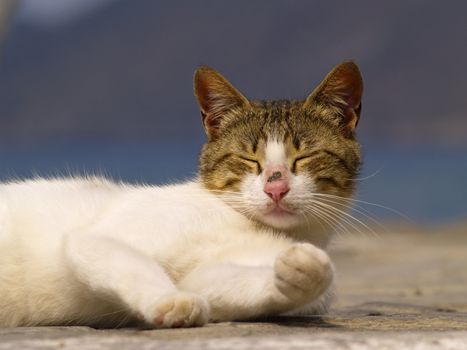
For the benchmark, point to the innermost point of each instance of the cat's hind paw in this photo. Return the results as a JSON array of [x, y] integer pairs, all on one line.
[[179, 310], [303, 272]]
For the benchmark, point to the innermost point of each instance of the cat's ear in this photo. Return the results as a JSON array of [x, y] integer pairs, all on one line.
[[341, 91], [216, 97]]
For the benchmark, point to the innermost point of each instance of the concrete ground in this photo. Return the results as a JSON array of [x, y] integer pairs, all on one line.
[[403, 290]]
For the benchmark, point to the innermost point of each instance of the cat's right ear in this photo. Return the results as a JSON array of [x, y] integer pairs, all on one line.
[[216, 98], [341, 90]]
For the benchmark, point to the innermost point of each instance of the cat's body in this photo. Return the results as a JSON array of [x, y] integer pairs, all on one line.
[[237, 243], [180, 226]]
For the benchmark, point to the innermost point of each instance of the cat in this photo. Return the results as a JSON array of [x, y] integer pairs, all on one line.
[[243, 240]]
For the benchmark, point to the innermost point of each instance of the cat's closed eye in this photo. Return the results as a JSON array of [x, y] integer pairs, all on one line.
[[253, 162], [299, 161]]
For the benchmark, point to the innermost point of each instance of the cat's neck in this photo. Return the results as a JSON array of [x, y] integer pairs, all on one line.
[[314, 234]]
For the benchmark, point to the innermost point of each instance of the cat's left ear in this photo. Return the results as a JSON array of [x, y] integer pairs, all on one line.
[[341, 91], [216, 98]]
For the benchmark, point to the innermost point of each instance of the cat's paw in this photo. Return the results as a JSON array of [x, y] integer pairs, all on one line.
[[179, 310], [303, 272]]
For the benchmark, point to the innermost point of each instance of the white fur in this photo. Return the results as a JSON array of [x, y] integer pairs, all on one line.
[[275, 152], [94, 252]]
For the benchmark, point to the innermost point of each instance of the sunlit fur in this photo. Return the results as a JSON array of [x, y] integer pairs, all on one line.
[[90, 251]]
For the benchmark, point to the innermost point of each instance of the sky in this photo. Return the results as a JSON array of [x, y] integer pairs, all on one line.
[[54, 13]]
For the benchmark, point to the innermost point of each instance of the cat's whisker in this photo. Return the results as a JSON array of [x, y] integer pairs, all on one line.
[[244, 206], [366, 177], [343, 216], [347, 217], [225, 192], [359, 209], [357, 206], [318, 219], [207, 197], [244, 210], [333, 225], [332, 221], [239, 199], [364, 202], [333, 217], [338, 216]]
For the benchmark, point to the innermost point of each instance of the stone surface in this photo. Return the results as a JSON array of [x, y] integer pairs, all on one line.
[[404, 290]]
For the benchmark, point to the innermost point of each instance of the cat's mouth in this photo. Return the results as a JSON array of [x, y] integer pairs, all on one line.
[[281, 216], [279, 210]]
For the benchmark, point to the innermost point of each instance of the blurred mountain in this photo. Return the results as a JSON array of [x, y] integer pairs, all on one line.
[[124, 73]]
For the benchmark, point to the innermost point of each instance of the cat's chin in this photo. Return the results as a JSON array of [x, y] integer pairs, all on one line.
[[281, 218]]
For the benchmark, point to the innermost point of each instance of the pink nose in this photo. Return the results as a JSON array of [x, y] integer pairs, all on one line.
[[277, 184], [277, 189]]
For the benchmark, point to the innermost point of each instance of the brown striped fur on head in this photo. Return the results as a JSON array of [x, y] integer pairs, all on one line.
[[318, 133]]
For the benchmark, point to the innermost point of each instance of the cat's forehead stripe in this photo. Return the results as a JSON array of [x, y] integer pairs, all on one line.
[[275, 152]]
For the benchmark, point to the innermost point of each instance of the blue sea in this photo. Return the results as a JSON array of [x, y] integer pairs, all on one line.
[[426, 186]]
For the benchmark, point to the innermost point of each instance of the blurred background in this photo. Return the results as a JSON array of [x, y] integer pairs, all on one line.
[[105, 86]]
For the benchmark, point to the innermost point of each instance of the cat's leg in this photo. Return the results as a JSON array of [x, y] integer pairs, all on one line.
[[114, 269], [318, 306], [298, 275]]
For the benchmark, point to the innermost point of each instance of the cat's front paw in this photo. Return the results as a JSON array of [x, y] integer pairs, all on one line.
[[303, 272], [178, 310]]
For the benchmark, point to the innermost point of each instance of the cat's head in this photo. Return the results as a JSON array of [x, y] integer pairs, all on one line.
[[283, 163]]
